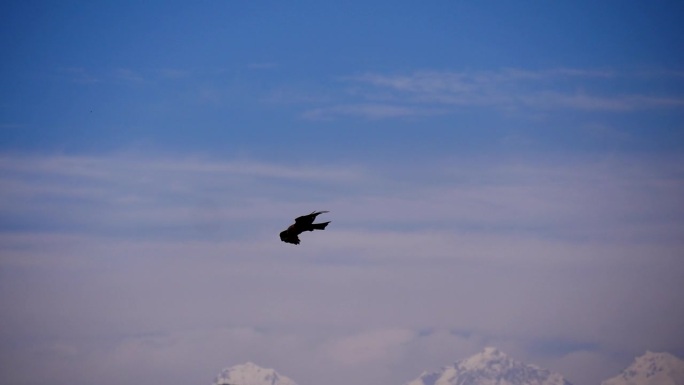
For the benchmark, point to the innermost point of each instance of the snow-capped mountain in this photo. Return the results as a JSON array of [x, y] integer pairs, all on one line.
[[651, 369], [490, 367], [251, 374]]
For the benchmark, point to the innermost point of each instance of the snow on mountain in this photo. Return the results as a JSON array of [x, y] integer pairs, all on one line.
[[251, 374], [490, 367], [651, 369]]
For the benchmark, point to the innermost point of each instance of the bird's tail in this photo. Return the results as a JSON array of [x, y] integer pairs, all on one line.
[[319, 226]]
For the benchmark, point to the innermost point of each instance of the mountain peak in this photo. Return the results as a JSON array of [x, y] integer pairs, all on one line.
[[651, 369], [250, 373], [491, 366], [492, 351], [486, 358]]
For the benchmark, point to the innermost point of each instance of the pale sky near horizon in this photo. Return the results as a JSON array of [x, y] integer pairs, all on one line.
[[503, 174]]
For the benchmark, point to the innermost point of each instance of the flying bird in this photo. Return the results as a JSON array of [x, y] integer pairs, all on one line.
[[303, 223]]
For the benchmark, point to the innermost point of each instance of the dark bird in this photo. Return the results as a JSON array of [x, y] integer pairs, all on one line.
[[302, 224]]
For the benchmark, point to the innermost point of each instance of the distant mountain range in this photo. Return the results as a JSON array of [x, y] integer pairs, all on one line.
[[490, 367]]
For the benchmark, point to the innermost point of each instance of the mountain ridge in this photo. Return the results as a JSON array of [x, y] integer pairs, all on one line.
[[490, 367]]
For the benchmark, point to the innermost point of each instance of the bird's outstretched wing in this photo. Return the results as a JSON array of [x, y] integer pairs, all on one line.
[[309, 218]]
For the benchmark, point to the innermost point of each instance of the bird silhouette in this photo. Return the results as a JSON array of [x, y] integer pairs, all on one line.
[[302, 224]]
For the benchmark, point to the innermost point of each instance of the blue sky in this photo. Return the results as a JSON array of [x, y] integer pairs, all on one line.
[[497, 173], [226, 76]]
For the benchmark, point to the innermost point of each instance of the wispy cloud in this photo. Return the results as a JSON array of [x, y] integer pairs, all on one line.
[[584, 101], [122, 166], [438, 92], [128, 75], [81, 75], [370, 111], [125, 194], [511, 198]]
